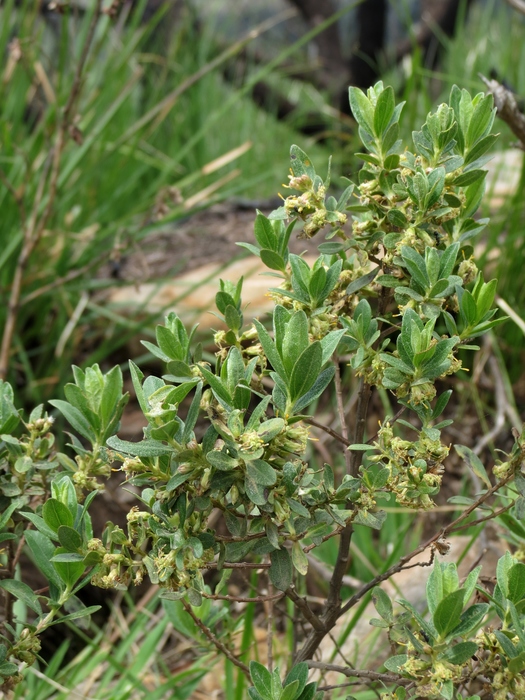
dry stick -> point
(244, 599)
(216, 642)
(360, 673)
(35, 227)
(390, 421)
(333, 602)
(507, 107)
(303, 606)
(341, 412)
(331, 616)
(269, 628)
(518, 5)
(400, 566)
(332, 433)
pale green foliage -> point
(390, 296)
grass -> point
(149, 131)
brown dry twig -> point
(216, 642)
(508, 108)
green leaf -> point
(516, 583)
(320, 384)
(8, 669)
(508, 647)
(84, 612)
(299, 559)
(272, 260)
(56, 514)
(394, 663)
(448, 613)
(192, 415)
(261, 472)
(362, 109)
(474, 463)
(264, 233)
(40, 524)
(220, 460)
(270, 429)
(281, 569)
(75, 418)
(295, 340)
(43, 550)
(69, 538)
(301, 163)
(218, 388)
(71, 569)
(459, 653)
(67, 557)
(361, 282)
(384, 111)
(270, 350)
(262, 679)
(145, 448)
(290, 692)
(306, 371)
(299, 673)
(8, 512)
(21, 590)
(383, 604)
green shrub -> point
(396, 293)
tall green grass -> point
(149, 118)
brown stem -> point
(360, 673)
(341, 412)
(216, 642)
(244, 599)
(400, 566)
(508, 108)
(303, 606)
(333, 602)
(391, 421)
(329, 431)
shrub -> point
(395, 293)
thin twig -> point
(493, 514)
(269, 627)
(390, 421)
(518, 5)
(401, 565)
(360, 673)
(216, 642)
(329, 431)
(507, 107)
(243, 599)
(341, 412)
(303, 606)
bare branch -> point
(507, 107)
(360, 673)
(518, 5)
(216, 642)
